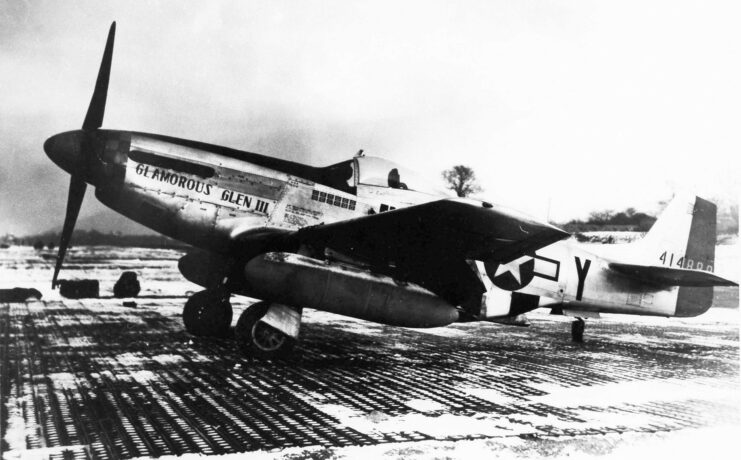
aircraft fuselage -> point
(206, 195)
(570, 276)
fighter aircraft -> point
(365, 238)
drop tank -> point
(301, 281)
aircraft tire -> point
(260, 340)
(207, 313)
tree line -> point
(629, 220)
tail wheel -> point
(259, 339)
(208, 313)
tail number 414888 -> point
(683, 262)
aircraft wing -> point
(465, 228)
(671, 276)
(430, 243)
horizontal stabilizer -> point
(672, 276)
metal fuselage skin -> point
(199, 195)
(571, 276)
(208, 196)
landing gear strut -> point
(257, 338)
(208, 313)
(577, 330)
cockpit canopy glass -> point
(383, 173)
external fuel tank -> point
(300, 281)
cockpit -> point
(377, 172)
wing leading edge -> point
(466, 229)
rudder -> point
(693, 301)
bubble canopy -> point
(384, 173)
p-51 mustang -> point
(364, 238)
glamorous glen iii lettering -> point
(244, 201)
(231, 198)
(175, 179)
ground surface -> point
(96, 379)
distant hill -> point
(107, 221)
(631, 220)
(625, 221)
(104, 228)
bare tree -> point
(462, 180)
(601, 217)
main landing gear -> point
(258, 331)
(264, 330)
(208, 313)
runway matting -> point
(97, 379)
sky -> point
(561, 108)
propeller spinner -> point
(74, 151)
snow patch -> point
(424, 405)
(15, 434)
(168, 359)
(634, 338)
(131, 359)
(63, 380)
(45, 452)
(143, 377)
(443, 332)
(695, 443)
(445, 425)
(635, 392)
(492, 395)
(79, 342)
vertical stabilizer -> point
(684, 236)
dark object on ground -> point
(126, 286)
(79, 289)
(577, 330)
(38, 245)
(4, 246)
(18, 294)
(130, 304)
(519, 320)
(580, 237)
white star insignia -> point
(513, 268)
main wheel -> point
(208, 313)
(259, 339)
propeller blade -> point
(77, 188)
(96, 109)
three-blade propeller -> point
(93, 121)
